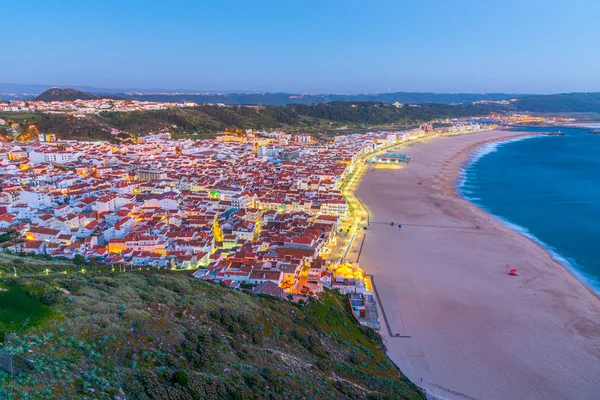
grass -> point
(166, 335)
(37, 265)
(20, 117)
(16, 306)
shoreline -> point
(518, 229)
(583, 125)
(441, 202)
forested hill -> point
(566, 102)
(320, 116)
(212, 118)
(68, 94)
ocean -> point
(546, 188)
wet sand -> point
(475, 332)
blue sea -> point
(546, 188)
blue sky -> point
(305, 46)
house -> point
(315, 271)
(66, 239)
(325, 279)
(8, 221)
(45, 234)
(290, 271)
(269, 288)
(62, 210)
(106, 204)
(185, 261)
(37, 200)
(260, 276)
(34, 247)
(168, 201)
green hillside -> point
(165, 335)
(209, 119)
(563, 103)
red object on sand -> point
(420, 182)
(513, 272)
(507, 265)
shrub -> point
(50, 298)
(182, 378)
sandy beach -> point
(471, 330)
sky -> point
(326, 46)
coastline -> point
(589, 124)
(521, 230)
(459, 279)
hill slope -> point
(68, 94)
(212, 118)
(163, 335)
(566, 102)
(321, 116)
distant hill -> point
(68, 94)
(565, 102)
(282, 99)
(28, 91)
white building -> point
(268, 151)
(334, 207)
(54, 157)
(35, 200)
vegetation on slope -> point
(62, 125)
(211, 119)
(164, 335)
(566, 102)
(17, 306)
(215, 118)
(68, 127)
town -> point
(84, 107)
(269, 212)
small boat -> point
(595, 131)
